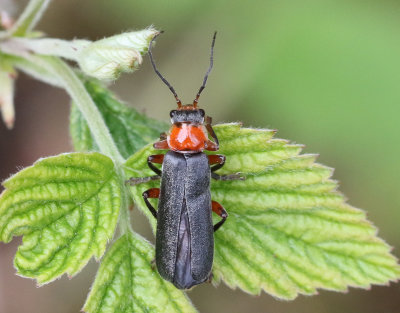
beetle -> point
(184, 235)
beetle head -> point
(187, 114)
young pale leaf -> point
(289, 231)
(66, 207)
(127, 282)
(107, 58)
(129, 129)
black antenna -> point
(196, 100)
(159, 74)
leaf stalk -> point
(29, 17)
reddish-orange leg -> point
(219, 161)
(161, 145)
(153, 193)
(211, 146)
(156, 158)
(220, 211)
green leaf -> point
(66, 207)
(289, 230)
(129, 129)
(127, 282)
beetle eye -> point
(202, 112)
(172, 113)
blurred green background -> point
(324, 73)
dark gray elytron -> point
(185, 240)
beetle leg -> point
(151, 193)
(140, 180)
(210, 278)
(211, 145)
(218, 160)
(236, 176)
(211, 130)
(163, 136)
(220, 211)
(153, 264)
(156, 158)
(161, 145)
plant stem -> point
(49, 46)
(29, 18)
(31, 65)
(124, 217)
(78, 93)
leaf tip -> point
(38, 284)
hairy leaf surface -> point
(66, 207)
(126, 282)
(129, 129)
(289, 230)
